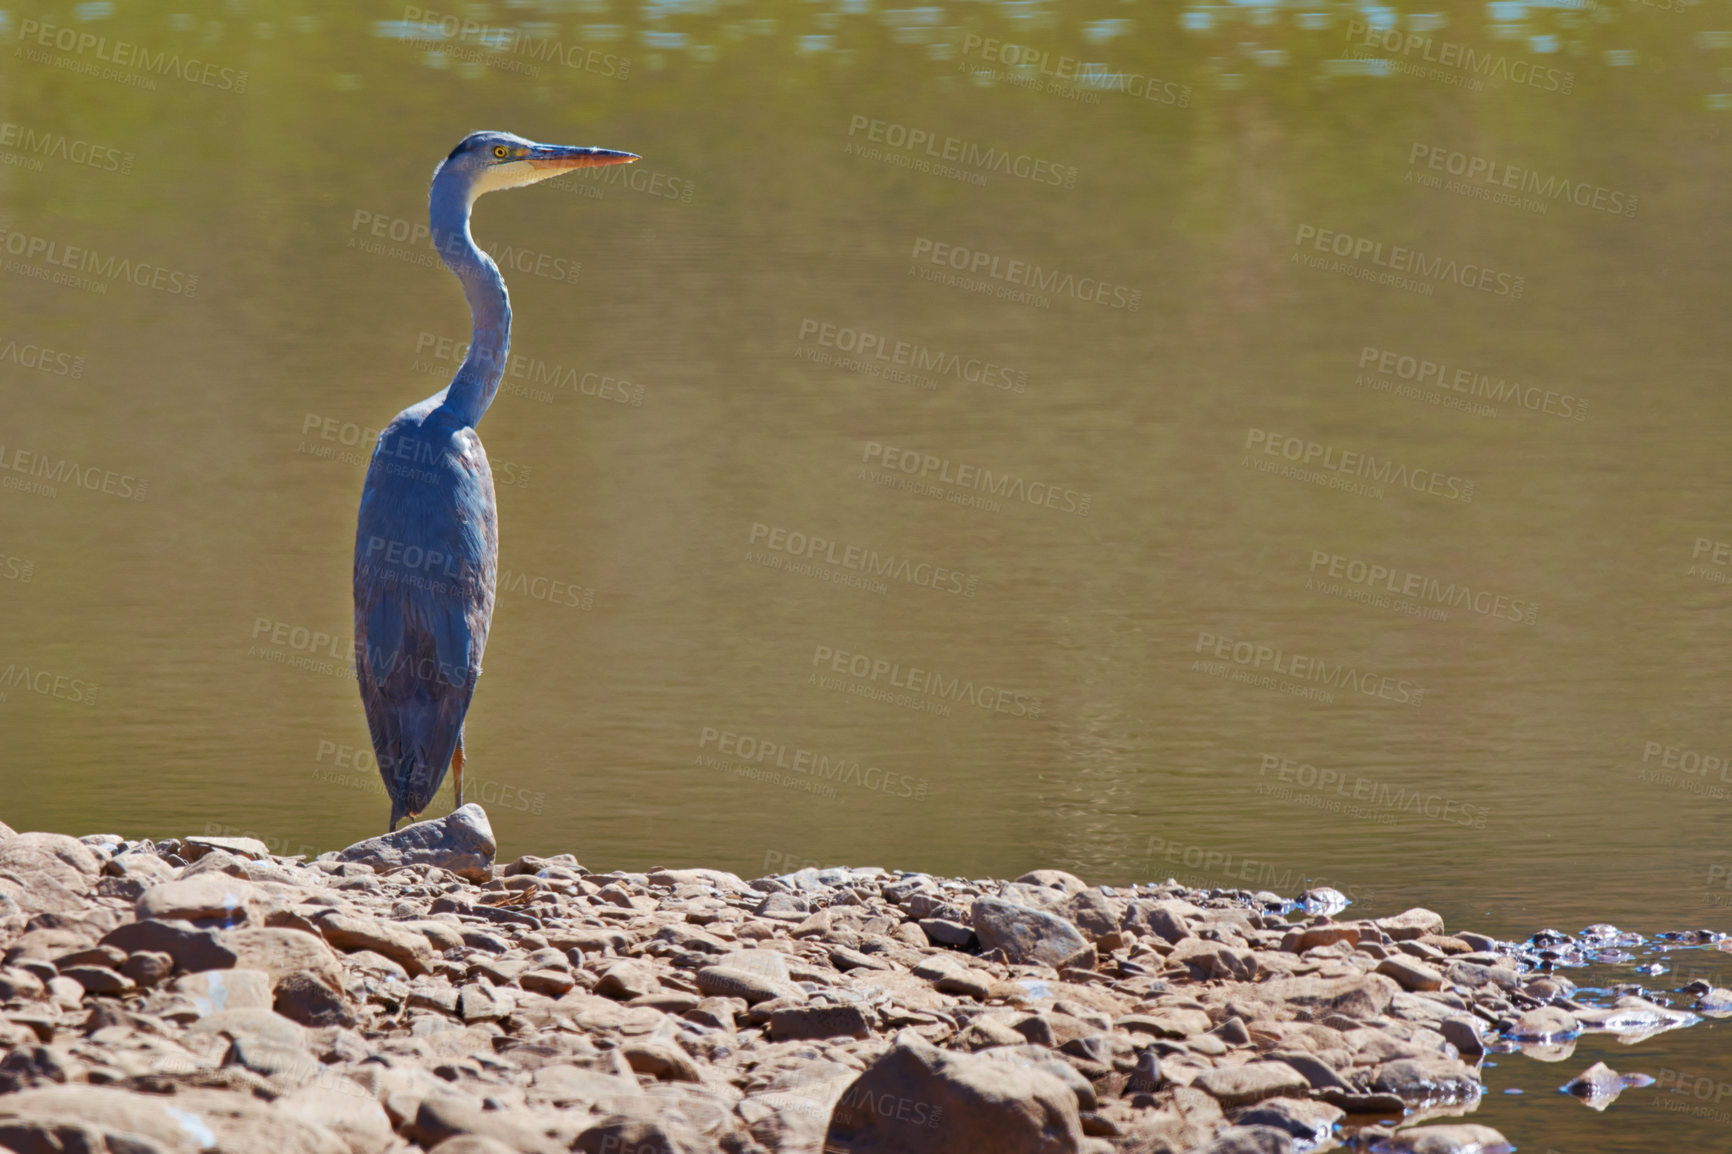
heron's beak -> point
(555, 158)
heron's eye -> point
(500, 151)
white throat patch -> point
(514, 174)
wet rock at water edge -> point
(1464, 1033)
(1452, 1139)
(1599, 1085)
(1412, 924)
(461, 842)
(1308, 1123)
(1545, 1024)
(197, 846)
(1411, 974)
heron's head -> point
(487, 161)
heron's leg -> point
(457, 770)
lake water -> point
(1267, 445)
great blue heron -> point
(427, 542)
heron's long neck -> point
(472, 389)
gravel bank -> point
(411, 993)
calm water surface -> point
(1263, 444)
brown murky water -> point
(1268, 445)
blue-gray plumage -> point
(427, 541)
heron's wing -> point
(459, 625)
(453, 642)
(381, 638)
(426, 551)
(426, 557)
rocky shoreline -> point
(411, 993)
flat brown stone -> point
(1252, 1082)
(797, 1022)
